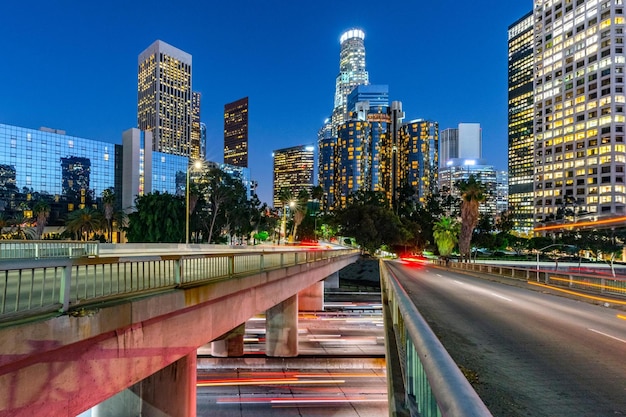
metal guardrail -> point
(40, 249)
(601, 283)
(35, 286)
(433, 384)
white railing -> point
(41, 249)
(35, 286)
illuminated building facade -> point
(352, 73)
(458, 169)
(579, 152)
(236, 133)
(197, 137)
(520, 123)
(326, 143)
(293, 170)
(164, 98)
(502, 192)
(419, 157)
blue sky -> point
(72, 65)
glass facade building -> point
(520, 123)
(69, 171)
(419, 157)
(352, 73)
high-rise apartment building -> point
(293, 170)
(520, 123)
(164, 98)
(579, 119)
(352, 72)
(236, 133)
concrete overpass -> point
(65, 359)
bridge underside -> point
(65, 365)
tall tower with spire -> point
(351, 72)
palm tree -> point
(473, 192)
(108, 202)
(299, 211)
(446, 232)
(41, 210)
(83, 222)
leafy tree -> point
(483, 236)
(505, 222)
(446, 232)
(81, 223)
(158, 218)
(41, 210)
(472, 194)
(368, 218)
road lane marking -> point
(608, 335)
(439, 275)
(500, 296)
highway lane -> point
(534, 354)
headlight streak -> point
(587, 284)
(621, 316)
(480, 290)
(277, 381)
(578, 294)
(291, 402)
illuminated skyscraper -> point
(236, 133)
(418, 162)
(579, 102)
(197, 147)
(521, 143)
(164, 98)
(293, 170)
(351, 72)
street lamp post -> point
(548, 247)
(197, 165)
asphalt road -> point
(528, 353)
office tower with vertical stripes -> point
(164, 97)
(520, 123)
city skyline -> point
(75, 67)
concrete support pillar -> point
(332, 281)
(312, 298)
(281, 338)
(170, 392)
(229, 345)
(124, 404)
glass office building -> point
(71, 171)
(520, 123)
